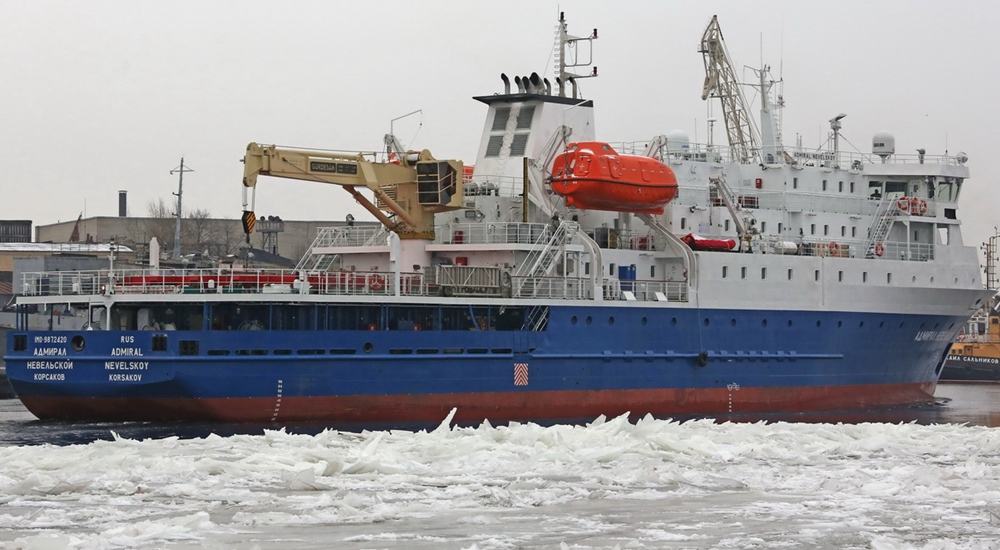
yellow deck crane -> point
(411, 191)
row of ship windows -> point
(840, 275)
(763, 322)
(367, 348)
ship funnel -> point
(506, 84)
(520, 84)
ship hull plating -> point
(587, 362)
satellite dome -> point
(883, 144)
(678, 142)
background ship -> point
(492, 297)
(975, 355)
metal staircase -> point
(543, 258)
(885, 213)
(313, 262)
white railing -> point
(491, 233)
(135, 283)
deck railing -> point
(70, 285)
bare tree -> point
(198, 230)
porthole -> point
(789, 322)
(611, 320)
(881, 324)
(644, 321)
(861, 324)
(819, 323)
(573, 320)
(368, 347)
(840, 324)
(732, 322)
(590, 319)
(706, 321)
(78, 343)
(901, 325)
(673, 321)
(763, 322)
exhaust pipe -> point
(506, 84)
(562, 87)
(548, 86)
(536, 83)
(520, 84)
(572, 83)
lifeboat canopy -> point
(591, 175)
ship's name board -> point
(126, 352)
(46, 352)
(126, 365)
(812, 156)
(932, 335)
(973, 359)
(55, 365)
(333, 167)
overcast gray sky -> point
(102, 95)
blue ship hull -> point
(589, 361)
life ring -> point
(921, 208)
(377, 283)
(879, 249)
(833, 247)
(903, 204)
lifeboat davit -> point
(593, 176)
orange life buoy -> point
(879, 249)
(834, 248)
(377, 283)
(921, 207)
(903, 204)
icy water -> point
(925, 477)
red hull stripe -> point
(474, 407)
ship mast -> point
(569, 55)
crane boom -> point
(413, 190)
(721, 82)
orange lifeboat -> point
(593, 176)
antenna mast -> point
(180, 191)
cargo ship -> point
(561, 278)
